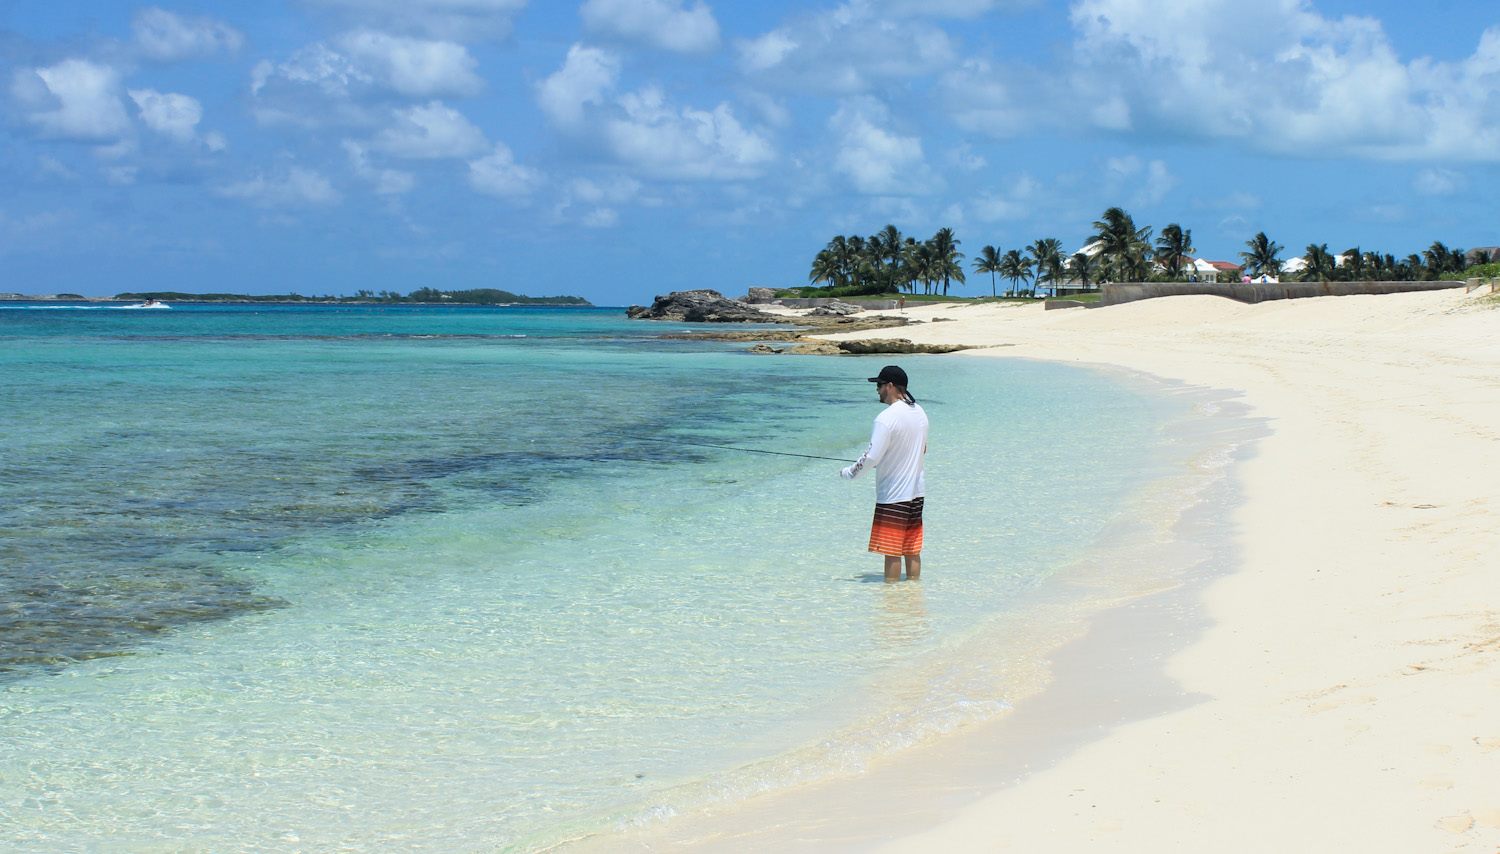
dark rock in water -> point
(836, 309)
(896, 345)
(701, 306)
(764, 349)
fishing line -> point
(746, 450)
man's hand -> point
(847, 473)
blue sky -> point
(618, 149)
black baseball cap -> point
(890, 374)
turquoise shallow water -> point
(448, 579)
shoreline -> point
(1167, 530)
(1334, 698)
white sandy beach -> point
(1338, 691)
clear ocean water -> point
(324, 577)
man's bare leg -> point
(892, 569)
(913, 567)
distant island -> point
(424, 296)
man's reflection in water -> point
(902, 619)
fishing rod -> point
(746, 450)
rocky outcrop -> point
(835, 309)
(815, 347)
(869, 346)
(761, 295)
(701, 306)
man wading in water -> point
(897, 452)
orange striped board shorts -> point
(897, 529)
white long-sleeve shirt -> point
(897, 452)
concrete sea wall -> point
(1114, 294)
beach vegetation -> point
(988, 261)
(1015, 267)
(1047, 257)
(1263, 255)
(1173, 246)
(1441, 260)
(1354, 263)
(1083, 268)
(1124, 249)
(921, 265)
(1476, 271)
(1320, 264)
(1118, 250)
(946, 257)
(851, 265)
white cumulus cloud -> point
(667, 24)
(848, 49)
(586, 75)
(599, 199)
(876, 159)
(601, 218)
(167, 37)
(339, 84)
(984, 98)
(430, 131)
(498, 174)
(74, 99)
(1278, 76)
(169, 113)
(947, 8)
(416, 67)
(296, 187)
(1437, 182)
(1016, 201)
(316, 86)
(667, 142)
(455, 20)
(386, 182)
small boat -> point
(150, 303)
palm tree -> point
(1440, 259)
(945, 246)
(867, 275)
(908, 268)
(1172, 247)
(825, 268)
(1123, 247)
(1049, 262)
(887, 245)
(988, 262)
(1353, 263)
(1413, 267)
(1262, 257)
(1015, 267)
(1320, 267)
(921, 263)
(843, 257)
(1083, 266)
